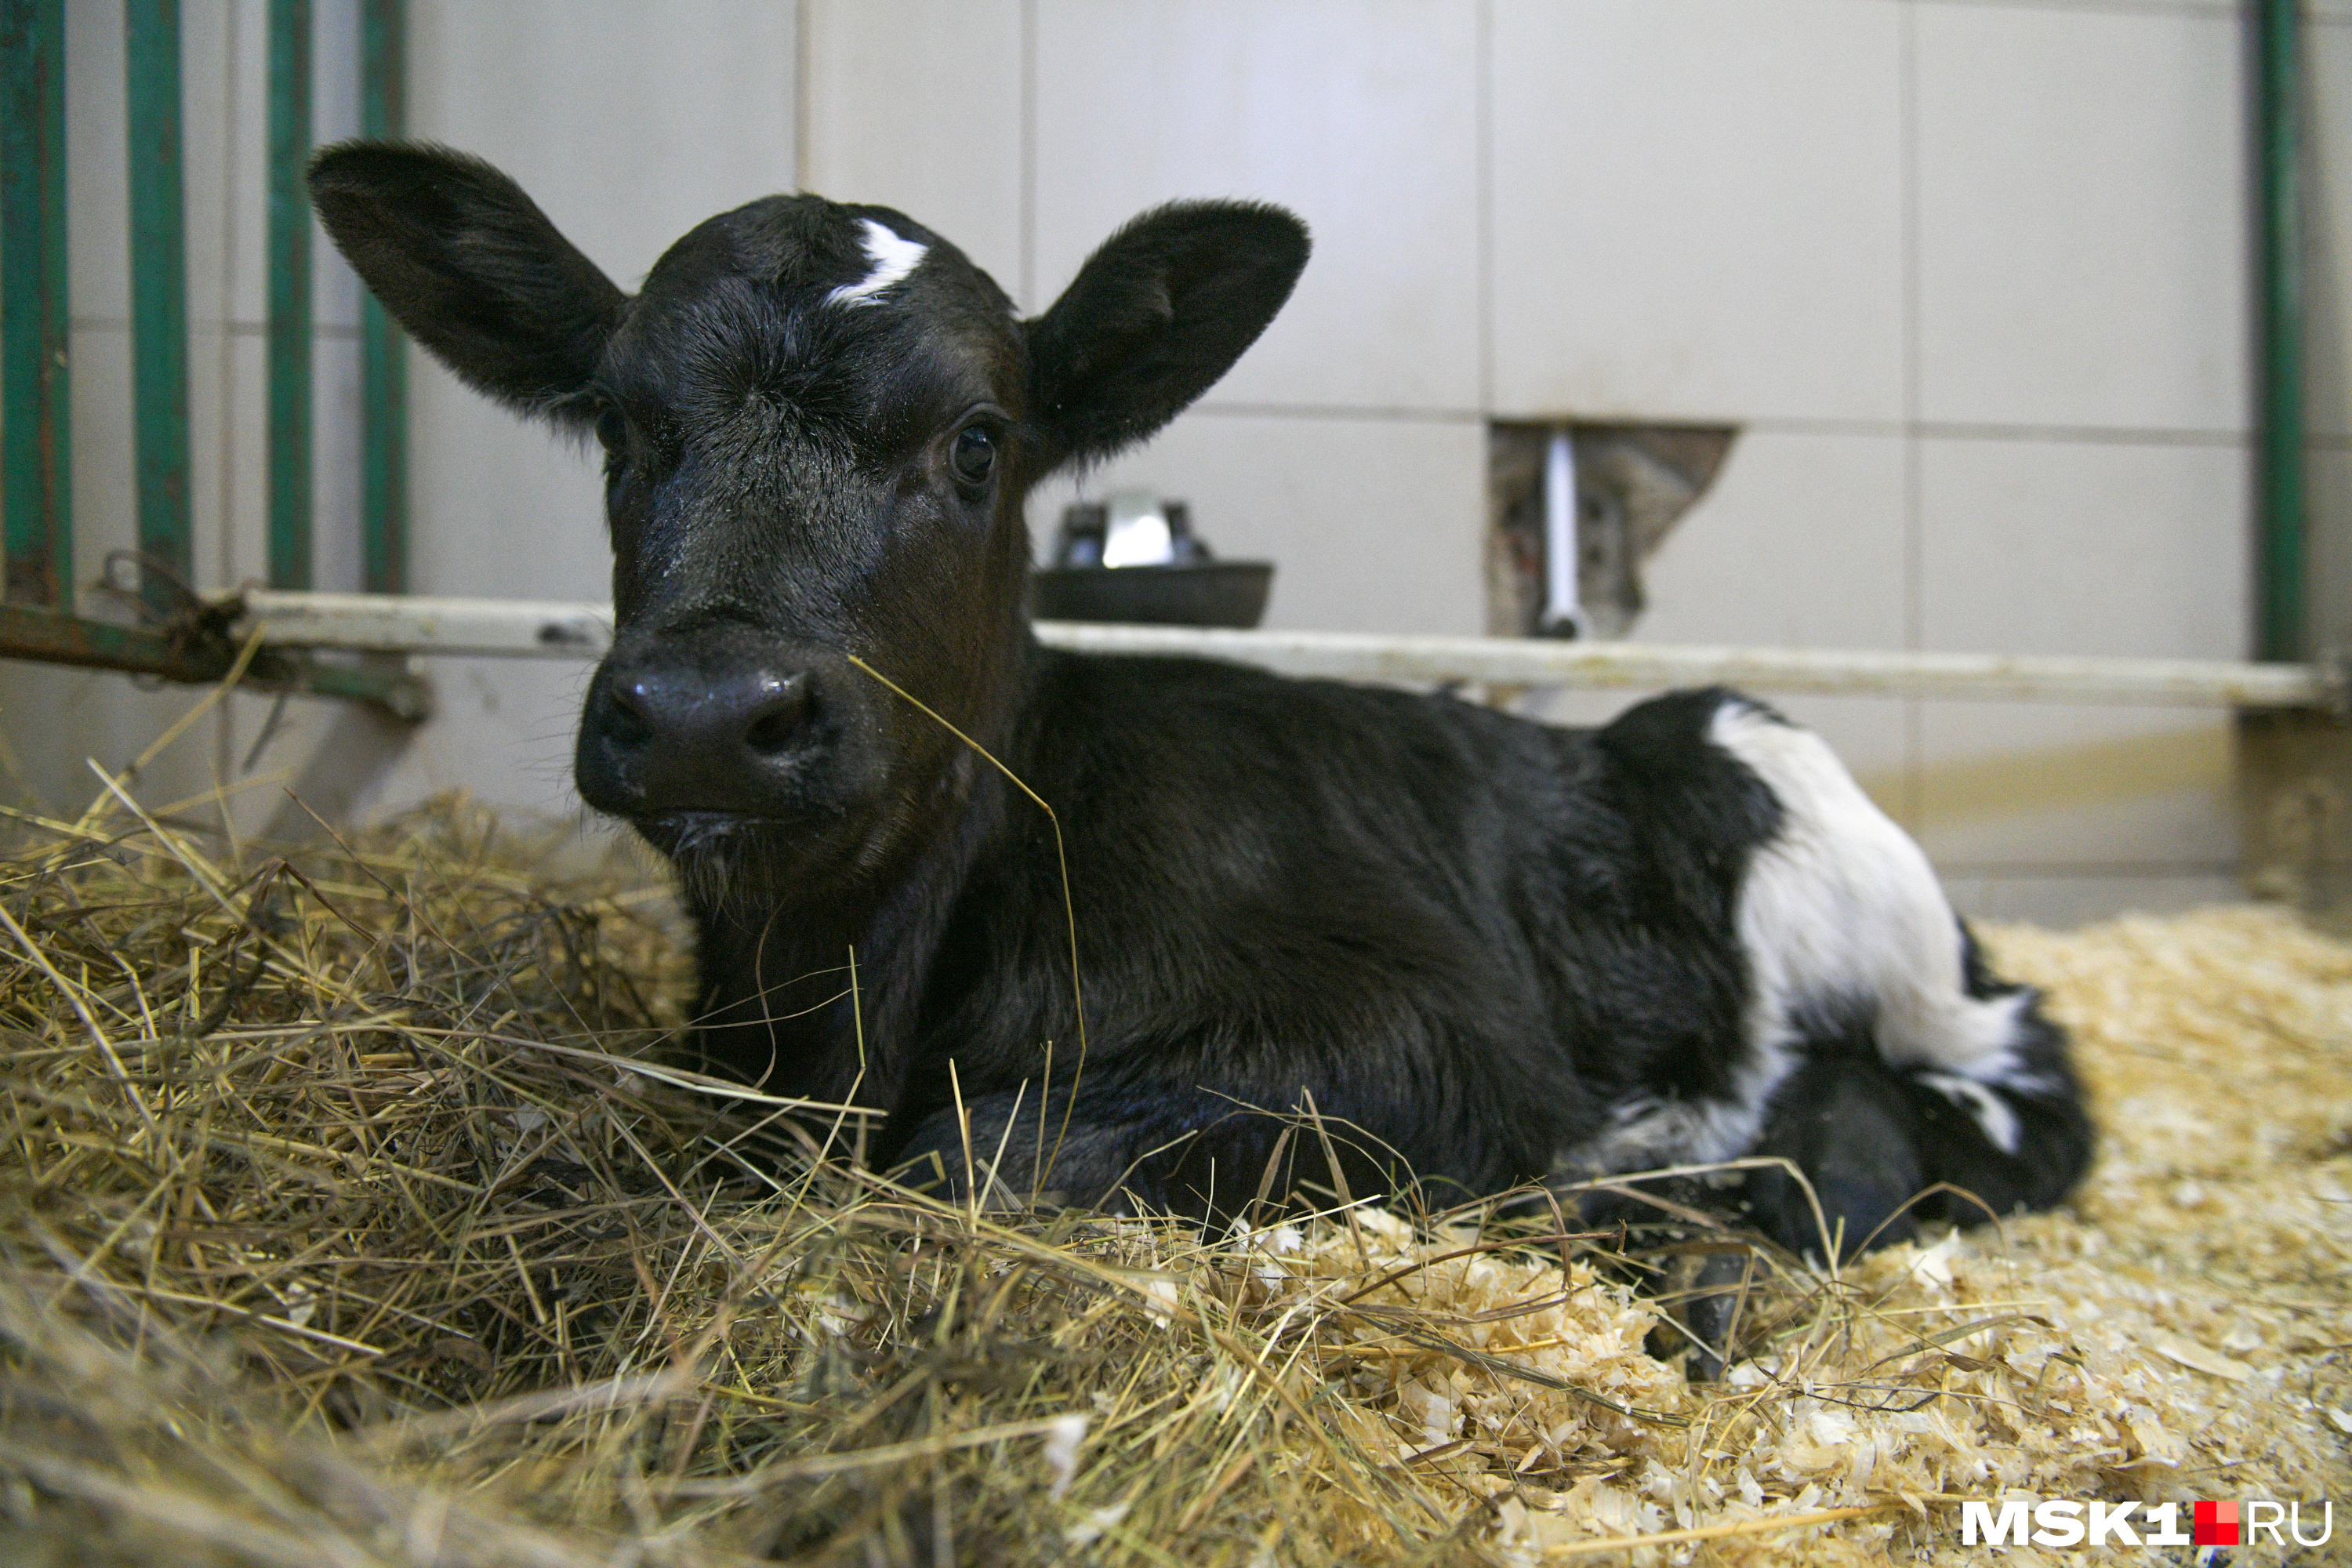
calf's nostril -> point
(777, 715)
(627, 722)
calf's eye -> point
(612, 431)
(974, 456)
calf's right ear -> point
(472, 268)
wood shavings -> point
(374, 1209)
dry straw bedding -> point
(348, 1216)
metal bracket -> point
(196, 648)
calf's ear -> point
(1154, 318)
(472, 268)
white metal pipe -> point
(528, 629)
(1563, 609)
(410, 623)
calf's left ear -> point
(1155, 316)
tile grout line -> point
(804, 107)
(2215, 9)
(1483, 162)
(1028, 153)
(1914, 544)
(1780, 425)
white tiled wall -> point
(1350, 111)
(2081, 187)
(1969, 274)
(1697, 209)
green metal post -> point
(289, 294)
(383, 356)
(2279, 485)
(36, 408)
(159, 294)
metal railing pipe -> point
(289, 294)
(36, 380)
(537, 629)
(2281, 559)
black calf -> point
(1481, 951)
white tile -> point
(1797, 543)
(2082, 207)
(2068, 547)
(230, 456)
(229, 434)
(2062, 901)
(2122, 7)
(212, 143)
(336, 459)
(916, 104)
(215, 427)
(2018, 785)
(1697, 208)
(105, 469)
(97, 186)
(629, 129)
(2327, 282)
(1373, 524)
(244, 182)
(1358, 116)
(502, 508)
(2054, 547)
(2330, 546)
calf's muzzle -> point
(716, 727)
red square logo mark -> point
(2216, 1524)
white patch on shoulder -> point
(1841, 906)
(893, 257)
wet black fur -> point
(1464, 940)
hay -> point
(348, 1216)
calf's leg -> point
(1123, 1149)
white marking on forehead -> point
(893, 254)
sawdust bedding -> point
(333, 1231)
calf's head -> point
(819, 422)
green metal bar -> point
(159, 297)
(35, 407)
(289, 294)
(52, 637)
(383, 354)
(2279, 482)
